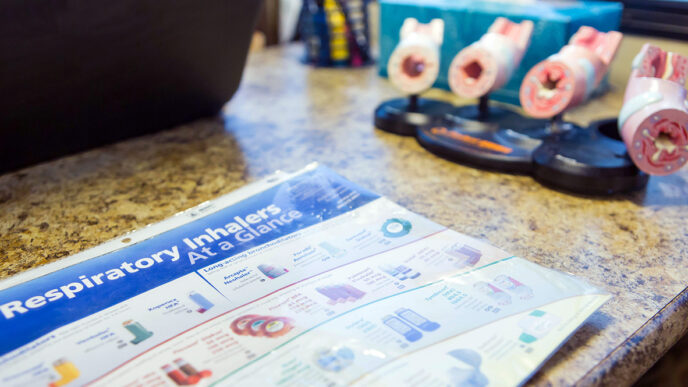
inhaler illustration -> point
(203, 303)
(178, 376)
(505, 282)
(465, 255)
(467, 372)
(493, 292)
(536, 325)
(399, 326)
(400, 272)
(340, 293)
(189, 370)
(272, 272)
(334, 359)
(332, 250)
(184, 374)
(417, 320)
(135, 328)
(489, 63)
(654, 119)
(67, 371)
(569, 77)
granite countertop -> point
(286, 115)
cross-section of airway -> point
(654, 118)
(568, 78)
(488, 64)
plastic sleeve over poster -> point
(299, 279)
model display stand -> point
(413, 68)
(650, 136)
(485, 135)
(558, 154)
(587, 161)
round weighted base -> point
(479, 145)
(492, 138)
(586, 162)
(608, 127)
(403, 116)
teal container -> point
(465, 21)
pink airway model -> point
(488, 64)
(568, 78)
(654, 116)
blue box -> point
(465, 21)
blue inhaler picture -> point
(464, 255)
(417, 320)
(402, 328)
(201, 301)
(334, 251)
(334, 359)
(400, 272)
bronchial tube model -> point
(654, 119)
(569, 77)
(413, 67)
(489, 63)
(415, 63)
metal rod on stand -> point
(555, 123)
(413, 102)
(483, 106)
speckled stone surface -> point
(286, 115)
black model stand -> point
(558, 154)
(487, 136)
(404, 116)
(591, 161)
(487, 113)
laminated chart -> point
(298, 279)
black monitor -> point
(80, 73)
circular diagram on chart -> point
(395, 228)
